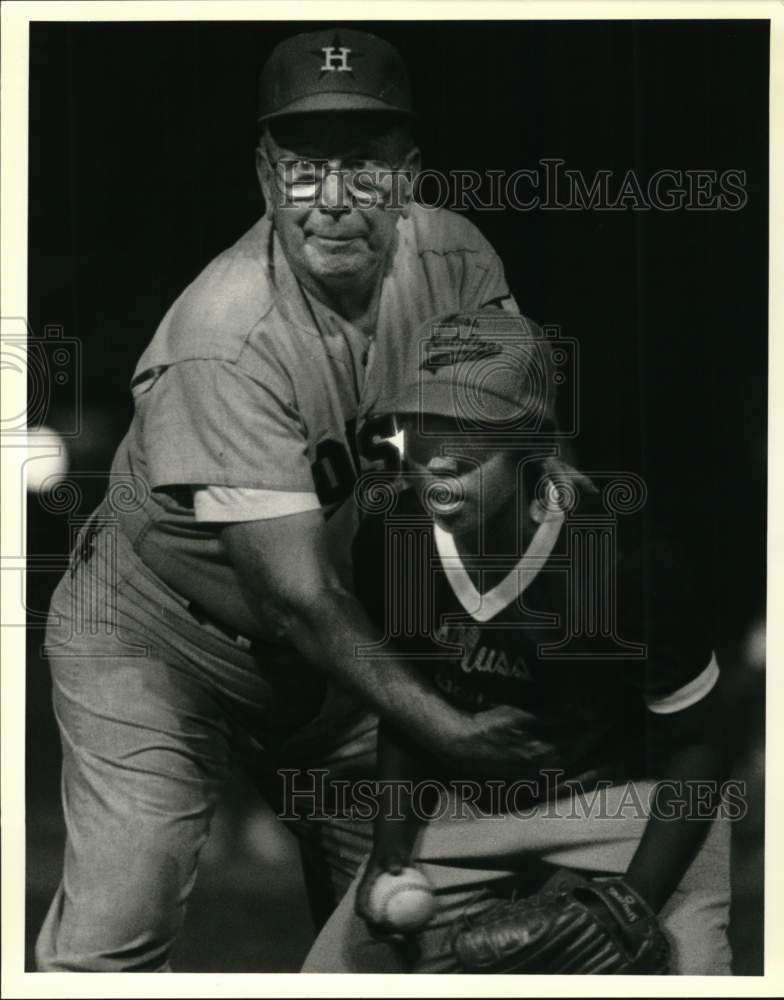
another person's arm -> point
(395, 824)
(287, 579)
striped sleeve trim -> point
(689, 694)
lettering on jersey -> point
(487, 660)
(335, 469)
(333, 472)
(483, 659)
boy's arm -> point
(693, 761)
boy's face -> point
(460, 481)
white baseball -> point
(404, 902)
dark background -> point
(141, 171)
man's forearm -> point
(287, 580)
(330, 629)
(395, 826)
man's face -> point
(460, 482)
(329, 234)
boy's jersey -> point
(582, 635)
(251, 383)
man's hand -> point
(503, 742)
(493, 743)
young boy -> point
(512, 587)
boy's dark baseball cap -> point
(488, 370)
(333, 70)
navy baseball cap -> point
(333, 70)
(487, 370)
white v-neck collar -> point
(483, 607)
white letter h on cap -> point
(335, 59)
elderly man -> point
(204, 609)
